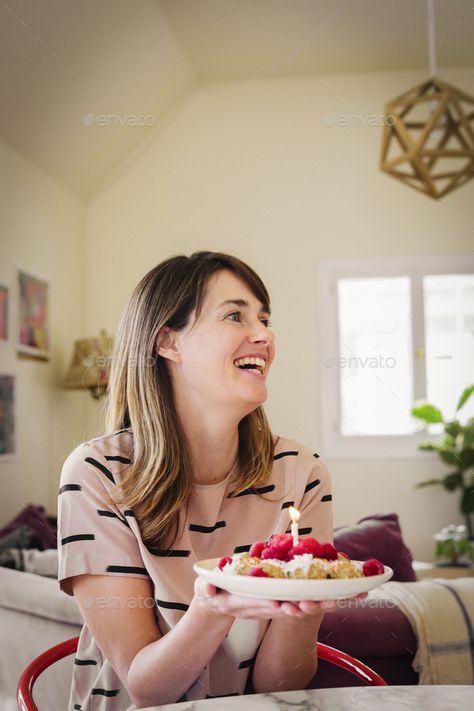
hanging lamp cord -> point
(431, 39)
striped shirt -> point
(96, 536)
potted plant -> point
(456, 448)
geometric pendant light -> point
(428, 137)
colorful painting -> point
(7, 421)
(3, 313)
(33, 316)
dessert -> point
(309, 559)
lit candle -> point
(295, 517)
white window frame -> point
(334, 444)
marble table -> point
(359, 698)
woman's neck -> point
(213, 449)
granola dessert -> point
(279, 558)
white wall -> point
(253, 168)
(41, 231)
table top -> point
(351, 698)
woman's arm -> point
(158, 669)
(287, 657)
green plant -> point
(456, 448)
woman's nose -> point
(262, 333)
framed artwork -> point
(7, 419)
(33, 323)
(4, 309)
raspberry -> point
(274, 551)
(372, 567)
(282, 540)
(223, 561)
(311, 545)
(257, 573)
(328, 551)
(256, 549)
(296, 550)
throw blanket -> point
(441, 613)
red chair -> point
(27, 681)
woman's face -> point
(232, 325)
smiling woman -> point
(188, 469)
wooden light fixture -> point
(90, 365)
(428, 137)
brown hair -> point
(158, 482)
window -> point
(394, 332)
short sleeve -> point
(94, 535)
(316, 502)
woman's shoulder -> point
(100, 453)
(286, 447)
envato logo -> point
(105, 361)
(119, 603)
(130, 120)
(373, 603)
(347, 120)
(379, 361)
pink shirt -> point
(95, 536)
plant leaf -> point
(453, 428)
(467, 501)
(427, 413)
(428, 482)
(466, 394)
(452, 481)
(428, 447)
(449, 457)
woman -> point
(189, 470)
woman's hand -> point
(220, 602)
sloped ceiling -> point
(83, 83)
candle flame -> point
(295, 514)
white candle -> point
(295, 517)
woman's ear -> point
(167, 345)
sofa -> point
(35, 615)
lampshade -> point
(90, 365)
(428, 140)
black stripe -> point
(467, 619)
(78, 537)
(242, 549)
(168, 553)
(327, 497)
(206, 529)
(258, 490)
(70, 487)
(100, 467)
(246, 663)
(106, 692)
(129, 512)
(85, 662)
(111, 514)
(302, 531)
(285, 454)
(172, 605)
(311, 485)
(118, 458)
(221, 696)
(126, 569)
(287, 504)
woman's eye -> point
(234, 313)
(267, 322)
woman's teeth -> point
(248, 363)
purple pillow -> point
(378, 536)
(36, 519)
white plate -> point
(289, 588)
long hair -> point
(158, 482)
